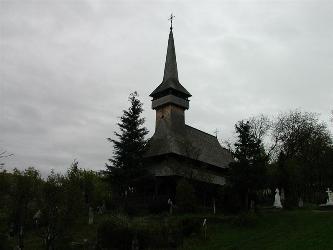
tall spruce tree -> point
(247, 173)
(125, 168)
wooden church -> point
(177, 150)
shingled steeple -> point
(170, 68)
(170, 86)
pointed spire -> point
(170, 69)
(170, 77)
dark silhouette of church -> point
(177, 150)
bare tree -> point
(262, 129)
(260, 126)
(3, 155)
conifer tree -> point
(247, 173)
(125, 168)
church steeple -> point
(170, 90)
(170, 68)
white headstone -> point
(252, 204)
(204, 226)
(277, 199)
(330, 197)
(300, 202)
(170, 205)
(36, 217)
(91, 216)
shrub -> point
(119, 232)
(115, 233)
(4, 242)
(151, 234)
(191, 226)
(157, 234)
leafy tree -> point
(296, 131)
(4, 184)
(60, 201)
(53, 209)
(304, 147)
(66, 200)
(24, 199)
(125, 168)
(247, 173)
(74, 200)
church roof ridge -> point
(200, 130)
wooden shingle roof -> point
(190, 143)
(170, 77)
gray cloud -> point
(67, 68)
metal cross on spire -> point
(171, 20)
(216, 132)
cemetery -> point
(269, 187)
(299, 228)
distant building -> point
(178, 150)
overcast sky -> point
(67, 68)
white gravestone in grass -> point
(277, 200)
(204, 226)
(170, 203)
(329, 201)
(330, 198)
(91, 216)
(36, 217)
(300, 202)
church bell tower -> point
(170, 98)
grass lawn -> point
(271, 230)
(298, 229)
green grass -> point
(271, 230)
